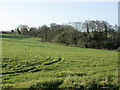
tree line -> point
(89, 34)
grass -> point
(29, 63)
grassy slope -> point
(29, 63)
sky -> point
(37, 14)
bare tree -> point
(23, 29)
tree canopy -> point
(89, 34)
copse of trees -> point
(89, 34)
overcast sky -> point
(39, 13)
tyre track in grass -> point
(33, 67)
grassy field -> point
(29, 63)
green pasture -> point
(29, 63)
